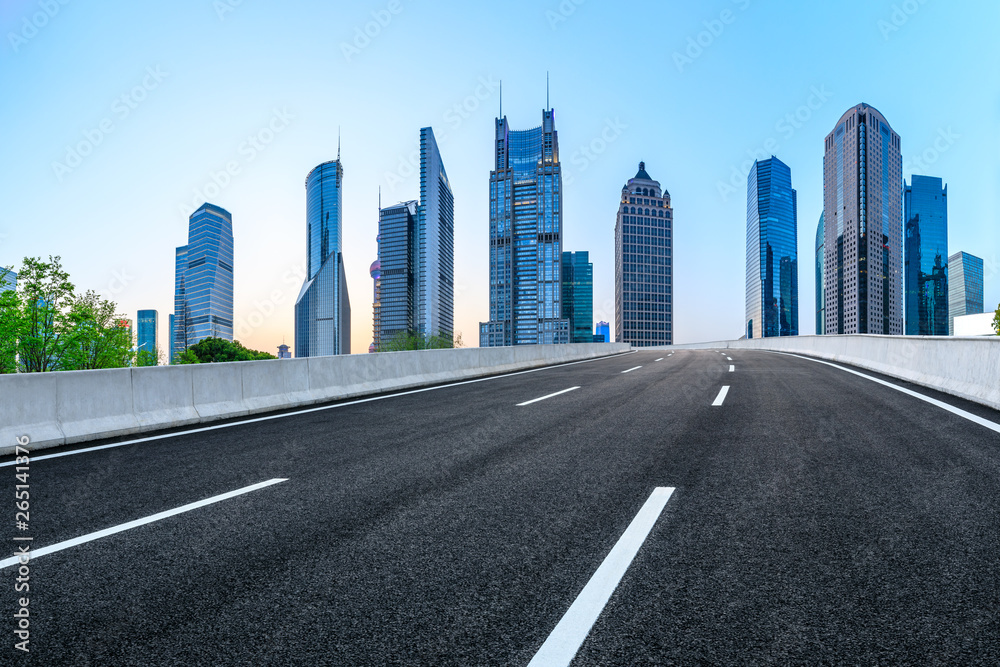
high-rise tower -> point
(925, 256)
(863, 216)
(525, 238)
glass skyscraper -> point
(203, 285)
(965, 287)
(644, 264)
(525, 238)
(820, 278)
(925, 256)
(9, 282)
(863, 216)
(147, 321)
(772, 293)
(323, 307)
(578, 295)
(435, 238)
(397, 255)
(602, 331)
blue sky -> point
(168, 97)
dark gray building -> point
(397, 282)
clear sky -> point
(696, 90)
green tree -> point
(96, 337)
(996, 320)
(45, 293)
(216, 350)
(152, 357)
(410, 340)
(11, 320)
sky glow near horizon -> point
(234, 103)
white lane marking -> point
(564, 391)
(295, 413)
(729, 358)
(721, 397)
(732, 369)
(90, 537)
(562, 644)
(993, 426)
(660, 359)
(632, 369)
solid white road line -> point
(562, 644)
(660, 359)
(732, 368)
(993, 426)
(564, 391)
(83, 539)
(294, 413)
(632, 369)
(721, 397)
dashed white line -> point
(632, 369)
(732, 369)
(558, 393)
(721, 397)
(660, 359)
(90, 537)
(562, 644)
(729, 358)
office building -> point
(925, 256)
(820, 278)
(578, 295)
(203, 285)
(525, 238)
(644, 263)
(284, 352)
(146, 339)
(863, 214)
(435, 238)
(397, 250)
(965, 287)
(602, 331)
(323, 307)
(9, 281)
(772, 284)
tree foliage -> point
(215, 350)
(996, 321)
(45, 294)
(411, 340)
(96, 336)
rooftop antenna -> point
(547, 107)
(338, 143)
(501, 99)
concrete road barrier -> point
(55, 409)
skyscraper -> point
(925, 257)
(397, 254)
(863, 214)
(323, 307)
(146, 339)
(603, 331)
(644, 263)
(578, 295)
(203, 285)
(772, 291)
(965, 287)
(375, 271)
(820, 278)
(525, 238)
(435, 238)
(170, 339)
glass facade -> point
(820, 277)
(772, 289)
(602, 331)
(863, 214)
(435, 239)
(578, 295)
(397, 254)
(965, 287)
(644, 263)
(925, 256)
(323, 308)
(203, 283)
(525, 238)
(146, 340)
(9, 282)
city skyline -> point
(703, 141)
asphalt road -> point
(817, 517)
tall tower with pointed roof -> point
(644, 310)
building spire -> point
(547, 107)
(501, 99)
(338, 143)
